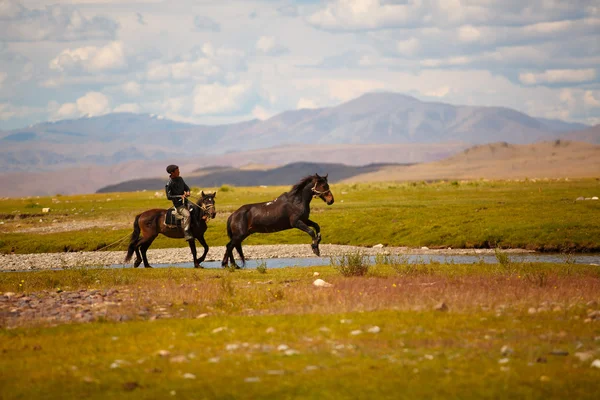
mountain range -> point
(86, 154)
(374, 118)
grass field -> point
(390, 329)
(537, 215)
(510, 330)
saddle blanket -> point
(173, 219)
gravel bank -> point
(21, 262)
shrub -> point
(262, 267)
(353, 264)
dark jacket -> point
(175, 189)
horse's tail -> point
(229, 231)
(134, 238)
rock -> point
(356, 332)
(441, 307)
(506, 350)
(321, 283)
(595, 198)
(188, 375)
(580, 198)
(203, 315)
(270, 330)
(178, 359)
(584, 356)
(316, 274)
(378, 246)
(252, 379)
(374, 329)
(503, 360)
(164, 353)
(596, 364)
(424, 248)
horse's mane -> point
(298, 187)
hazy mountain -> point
(375, 118)
(555, 159)
(589, 135)
(285, 175)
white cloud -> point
(590, 100)
(366, 14)
(469, 33)
(54, 22)
(218, 99)
(558, 76)
(261, 113)
(439, 92)
(91, 104)
(128, 107)
(267, 45)
(408, 47)
(306, 103)
(91, 58)
(132, 89)
(207, 64)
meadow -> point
(386, 328)
(538, 215)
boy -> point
(178, 191)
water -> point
(419, 258)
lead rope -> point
(109, 245)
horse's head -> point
(321, 189)
(206, 203)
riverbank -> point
(42, 261)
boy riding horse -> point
(177, 192)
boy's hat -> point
(171, 168)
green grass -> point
(236, 351)
(539, 215)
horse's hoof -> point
(147, 266)
(137, 263)
(316, 250)
(198, 266)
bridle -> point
(318, 193)
(205, 208)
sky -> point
(224, 61)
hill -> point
(556, 159)
(285, 175)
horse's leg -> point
(315, 243)
(316, 227)
(192, 244)
(205, 245)
(238, 247)
(229, 255)
(138, 256)
(144, 247)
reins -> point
(109, 245)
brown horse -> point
(152, 222)
(289, 210)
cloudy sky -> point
(220, 61)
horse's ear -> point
(215, 194)
(202, 193)
(326, 175)
(317, 175)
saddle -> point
(173, 219)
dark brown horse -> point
(152, 222)
(290, 210)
